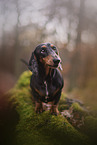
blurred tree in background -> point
(69, 24)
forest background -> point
(69, 24)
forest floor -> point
(20, 125)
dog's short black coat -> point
(46, 81)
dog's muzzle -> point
(56, 62)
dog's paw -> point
(39, 107)
(39, 111)
(55, 113)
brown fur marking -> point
(52, 45)
(43, 46)
(48, 60)
(38, 91)
(56, 91)
(54, 109)
(38, 107)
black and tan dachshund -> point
(46, 81)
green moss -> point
(90, 128)
(40, 129)
(63, 96)
(62, 102)
(63, 107)
(24, 80)
(91, 125)
(77, 108)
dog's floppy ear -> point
(33, 65)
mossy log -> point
(40, 129)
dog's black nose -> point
(56, 61)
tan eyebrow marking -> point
(52, 45)
(43, 46)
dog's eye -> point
(54, 48)
(42, 51)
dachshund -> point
(46, 81)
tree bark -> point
(17, 45)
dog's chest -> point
(46, 88)
(49, 88)
(47, 91)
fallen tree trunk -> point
(41, 129)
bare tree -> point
(4, 17)
(17, 45)
(80, 21)
(76, 64)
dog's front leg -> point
(38, 107)
(54, 107)
(54, 110)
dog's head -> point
(46, 54)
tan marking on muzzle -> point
(48, 60)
